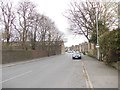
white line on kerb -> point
(87, 78)
(16, 76)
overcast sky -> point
(55, 9)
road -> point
(51, 72)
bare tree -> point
(54, 38)
(30, 27)
(34, 29)
(44, 27)
(109, 14)
(25, 12)
(46, 32)
(7, 20)
(82, 16)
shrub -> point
(110, 46)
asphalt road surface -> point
(58, 71)
(50, 72)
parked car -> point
(69, 51)
(76, 55)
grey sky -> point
(55, 9)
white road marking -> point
(87, 78)
(16, 76)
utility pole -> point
(97, 46)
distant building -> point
(84, 47)
(74, 48)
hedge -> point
(110, 46)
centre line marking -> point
(16, 76)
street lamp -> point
(97, 45)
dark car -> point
(76, 55)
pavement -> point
(59, 72)
(101, 75)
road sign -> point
(97, 46)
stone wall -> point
(9, 56)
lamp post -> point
(97, 45)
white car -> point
(69, 51)
(76, 55)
